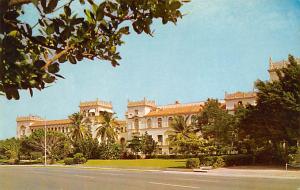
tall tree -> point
(11, 148)
(148, 145)
(180, 130)
(275, 119)
(108, 127)
(79, 127)
(57, 146)
(135, 145)
(179, 125)
(216, 124)
(31, 53)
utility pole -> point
(45, 130)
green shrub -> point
(219, 162)
(237, 160)
(207, 160)
(79, 158)
(69, 161)
(228, 160)
(111, 151)
(35, 155)
(192, 163)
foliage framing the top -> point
(30, 56)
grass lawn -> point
(140, 163)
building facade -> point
(274, 66)
(141, 117)
(91, 109)
(144, 116)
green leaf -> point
(72, 59)
(62, 59)
(124, 30)
(76, 21)
(49, 79)
(99, 13)
(67, 11)
(50, 29)
(175, 5)
(13, 33)
(52, 5)
(113, 49)
(53, 68)
(39, 63)
(40, 39)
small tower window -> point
(136, 124)
(170, 120)
(159, 122)
(149, 123)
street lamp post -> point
(45, 129)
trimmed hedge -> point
(192, 163)
(69, 161)
(172, 156)
(79, 158)
(226, 160)
(238, 160)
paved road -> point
(40, 178)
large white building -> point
(144, 115)
(141, 116)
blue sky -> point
(218, 46)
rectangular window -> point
(160, 138)
(159, 122)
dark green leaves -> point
(175, 5)
(49, 79)
(53, 68)
(52, 5)
(124, 30)
(99, 13)
(72, 59)
(95, 34)
(41, 39)
(39, 63)
(67, 11)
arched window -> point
(22, 130)
(149, 123)
(159, 122)
(136, 124)
(170, 120)
(122, 141)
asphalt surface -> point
(40, 178)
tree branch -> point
(18, 2)
(57, 56)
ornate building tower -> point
(93, 108)
(24, 123)
(136, 110)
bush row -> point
(226, 160)
(173, 156)
(219, 161)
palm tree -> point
(79, 128)
(108, 126)
(180, 125)
(180, 129)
